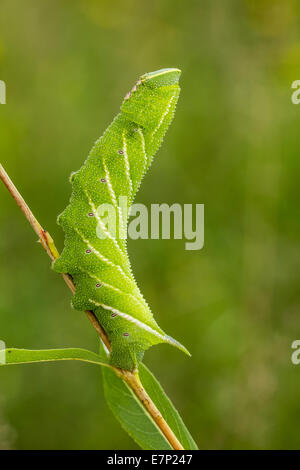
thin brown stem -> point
(131, 378)
(134, 382)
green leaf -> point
(166, 407)
(135, 419)
(24, 356)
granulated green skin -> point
(115, 167)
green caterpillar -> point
(100, 267)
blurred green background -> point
(234, 146)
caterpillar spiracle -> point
(100, 266)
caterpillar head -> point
(140, 104)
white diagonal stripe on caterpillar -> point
(102, 225)
(116, 289)
(114, 200)
(164, 114)
(110, 188)
(101, 257)
(127, 166)
(144, 148)
(132, 320)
